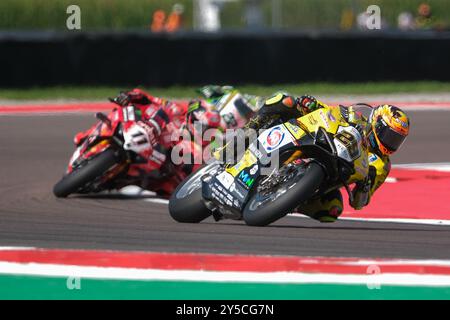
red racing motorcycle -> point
(102, 160)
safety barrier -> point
(141, 58)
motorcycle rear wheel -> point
(77, 179)
(186, 203)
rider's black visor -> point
(390, 139)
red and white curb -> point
(222, 268)
(399, 200)
(416, 193)
(55, 108)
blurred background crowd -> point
(216, 15)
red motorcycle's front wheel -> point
(88, 172)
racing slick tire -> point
(299, 190)
(186, 203)
(78, 178)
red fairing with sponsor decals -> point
(104, 159)
(95, 140)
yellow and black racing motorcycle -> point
(313, 154)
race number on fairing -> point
(348, 143)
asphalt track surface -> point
(34, 151)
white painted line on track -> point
(135, 191)
(53, 270)
(439, 166)
(157, 200)
(400, 262)
(391, 180)
(390, 220)
(17, 248)
(434, 222)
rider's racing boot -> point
(326, 208)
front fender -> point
(86, 151)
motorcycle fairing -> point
(97, 141)
(299, 136)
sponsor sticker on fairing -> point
(275, 138)
(330, 116)
(237, 191)
(258, 154)
(158, 157)
(246, 179)
(373, 158)
(226, 179)
(324, 119)
(130, 115)
(296, 131)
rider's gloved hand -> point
(122, 99)
(307, 103)
(360, 194)
(134, 96)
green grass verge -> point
(35, 287)
(101, 93)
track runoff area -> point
(415, 193)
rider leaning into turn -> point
(163, 119)
(159, 120)
(384, 130)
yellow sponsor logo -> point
(296, 131)
(313, 121)
(247, 161)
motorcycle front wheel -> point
(265, 207)
(88, 172)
